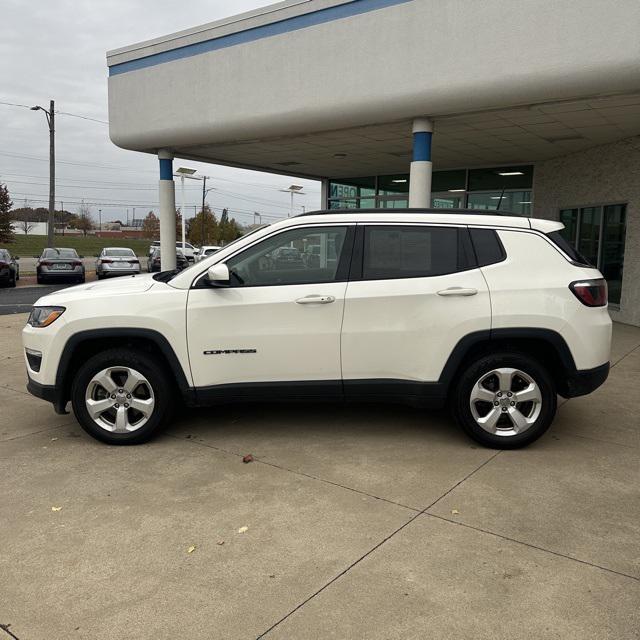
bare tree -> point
(84, 222)
(24, 220)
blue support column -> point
(421, 167)
(167, 212)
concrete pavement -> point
(363, 522)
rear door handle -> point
(315, 300)
(457, 291)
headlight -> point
(44, 316)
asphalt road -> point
(21, 299)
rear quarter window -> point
(487, 245)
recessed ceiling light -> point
(455, 190)
(510, 173)
(399, 180)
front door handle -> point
(315, 300)
(457, 291)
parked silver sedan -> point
(117, 261)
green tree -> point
(151, 226)
(207, 219)
(6, 230)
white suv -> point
(495, 314)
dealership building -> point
(531, 107)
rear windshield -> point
(60, 253)
(118, 252)
(560, 241)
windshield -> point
(4, 255)
(60, 253)
(119, 252)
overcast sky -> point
(55, 49)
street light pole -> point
(294, 190)
(204, 195)
(50, 115)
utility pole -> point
(100, 220)
(204, 195)
(50, 115)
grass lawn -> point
(27, 246)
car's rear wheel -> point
(40, 279)
(505, 400)
(12, 279)
(122, 396)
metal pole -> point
(99, 219)
(52, 174)
(204, 195)
(182, 209)
(291, 209)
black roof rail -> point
(475, 212)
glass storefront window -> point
(518, 202)
(612, 260)
(589, 233)
(499, 178)
(446, 180)
(598, 233)
(569, 218)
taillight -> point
(592, 293)
(134, 261)
(106, 261)
(77, 263)
(3, 264)
(46, 263)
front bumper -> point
(49, 393)
(584, 381)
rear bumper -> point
(584, 381)
(49, 393)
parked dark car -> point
(56, 265)
(154, 261)
(9, 269)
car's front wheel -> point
(505, 400)
(122, 396)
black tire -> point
(12, 280)
(40, 279)
(81, 280)
(474, 371)
(157, 376)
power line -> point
(62, 113)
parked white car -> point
(494, 314)
(117, 261)
(205, 251)
(189, 250)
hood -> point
(115, 286)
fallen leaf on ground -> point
(243, 529)
(53, 439)
(56, 508)
(247, 458)
(220, 542)
(454, 512)
(191, 549)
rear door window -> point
(414, 251)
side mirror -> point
(16, 257)
(80, 256)
(218, 275)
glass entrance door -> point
(598, 233)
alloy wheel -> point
(505, 401)
(119, 399)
